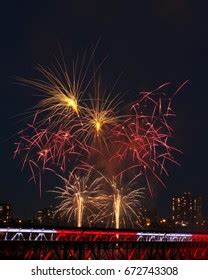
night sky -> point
(149, 43)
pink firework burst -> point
(143, 139)
(43, 149)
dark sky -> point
(150, 42)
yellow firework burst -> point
(100, 115)
(79, 198)
(61, 95)
(123, 202)
(98, 120)
(60, 90)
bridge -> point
(17, 243)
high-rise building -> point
(150, 218)
(5, 213)
(44, 216)
(187, 210)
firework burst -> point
(99, 117)
(122, 203)
(78, 198)
(60, 96)
(143, 139)
(61, 90)
(42, 149)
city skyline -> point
(194, 217)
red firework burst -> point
(143, 139)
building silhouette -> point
(5, 213)
(150, 218)
(44, 216)
(187, 211)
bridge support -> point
(114, 250)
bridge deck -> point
(18, 234)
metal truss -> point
(100, 244)
(17, 234)
(103, 250)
